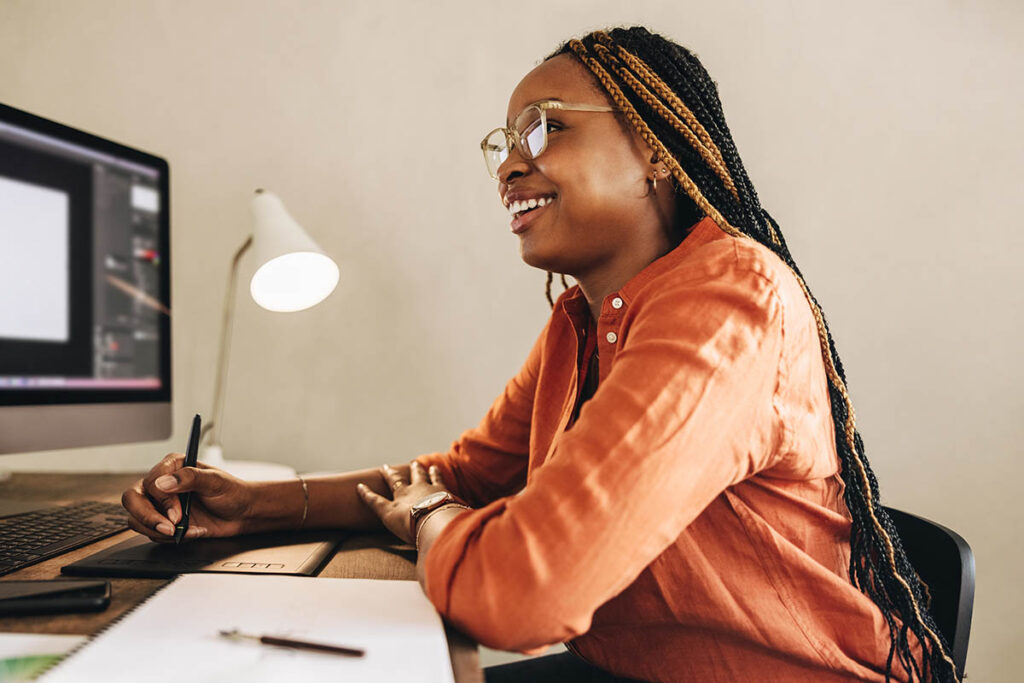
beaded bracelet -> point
(305, 499)
(424, 518)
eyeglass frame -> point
(514, 137)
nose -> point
(514, 166)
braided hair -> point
(668, 98)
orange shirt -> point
(689, 525)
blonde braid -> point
(641, 127)
(710, 153)
(638, 65)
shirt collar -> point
(702, 232)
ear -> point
(659, 172)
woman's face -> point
(594, 172)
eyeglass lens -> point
(532, 139)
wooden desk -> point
(365, 556)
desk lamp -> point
(292, 274)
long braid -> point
(547, 286)
(669, 99)
(650, 138)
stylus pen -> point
(235, 634)
(191, 455)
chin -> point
(538, 258)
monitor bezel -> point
(34, 397)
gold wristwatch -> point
(429, 503)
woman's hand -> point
(394, 513)
(220, 502)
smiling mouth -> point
(520, 208)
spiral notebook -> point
(174, 635)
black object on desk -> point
(53, 597)
(278, 552)
(191, 457)
(32, 537)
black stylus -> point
(191, 456)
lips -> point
(523, 206)
(523, 219)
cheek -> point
(598, 177)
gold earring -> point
(654, 179)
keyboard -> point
(41, 534)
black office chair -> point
(945, 563)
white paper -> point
(174, 637)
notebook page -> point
(173, 636)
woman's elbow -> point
(516, 623)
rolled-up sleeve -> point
(685, 411)
(491, 460)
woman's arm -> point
(490, 461)
(686, 411)
(223, 505)
(427, 532)
(333, 502)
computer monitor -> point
(85, 327)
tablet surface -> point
(285, 552)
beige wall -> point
(883, 136)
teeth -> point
(519, 206)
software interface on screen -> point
(80, 254)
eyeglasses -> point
(529, 133)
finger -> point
(392, 477)
(165, 501)
(195, 532)
(435, 476)
(151, 533)
(374, 501)
(140, 508)
(417, 473)
(206, 482)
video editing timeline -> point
(63, 324)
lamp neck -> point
(212, 428)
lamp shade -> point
(292, 271)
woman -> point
(673, 483)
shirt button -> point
(616, 302)
(612, 337)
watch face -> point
(433, 499)
(430, 501)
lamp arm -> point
(212, 428)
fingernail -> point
(195, 532)
(165, 528)
(172, 515)
(166, 482)
(361, 487)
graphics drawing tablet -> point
(301, 553)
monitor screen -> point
(84, 288)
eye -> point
(554, 125)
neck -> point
(602, 281)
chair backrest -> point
(945, 563)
